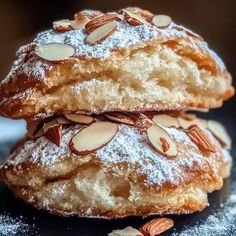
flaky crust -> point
(125, 177)
(136, 68)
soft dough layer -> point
(125, 177)
(136, 68)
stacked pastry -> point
(105, 98)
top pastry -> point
(130, 60)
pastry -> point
(105, 99)
(120, 71)
(112, 169)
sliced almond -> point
(156, 226)
(54, 51)
(137, 120)
(62, 25)
(185, 124)
(50, 124)
(101, 33)
(54, 135)
(81, 119)
(119, 117)
(201, 123)
(147, 15)
(200, 139)
(93, 137)
(84, 16)
(99, 21)
(219, 131)
(128, 231)
(161, 21)
(165, 120)
(133, 19)
(161, 141)
(76, 25)
(188, 116)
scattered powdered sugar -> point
(124, 36)
(221, 223)
(129, 145)
(12, 226)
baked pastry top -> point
(126, 175)
(147, 63)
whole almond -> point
(200, 139)
(156, 226)
(99, 21)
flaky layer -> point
(125, 177)
(136, 68)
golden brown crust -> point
(36, 87)
(126, 177)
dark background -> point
(215, 20)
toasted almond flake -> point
(165, 120)
(161, 21)
(133, 19)
(54, 51)
(62, 25)
(156, 226)
(101, 33)
(93, 137)
(99, 21)
(128, 231)
(81, 119)
(54, 135)
(219, 131)
(200, 139)
(201, 123)
(161, 141)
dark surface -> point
(43, 223)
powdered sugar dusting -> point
(124, 36)
(221, 223)
(12, 226)
(130, 146)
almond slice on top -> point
(99, 21)
(165, 120)
(81, 119)
(219, 131)
(54, 51)
(101, 33)
(156, 226)
(133, 19)
(147, 15)
(93, 137)
(54, 135)
(161, 21)
(201, 139)
(62, 25)
(161, 141)
(76, 25)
